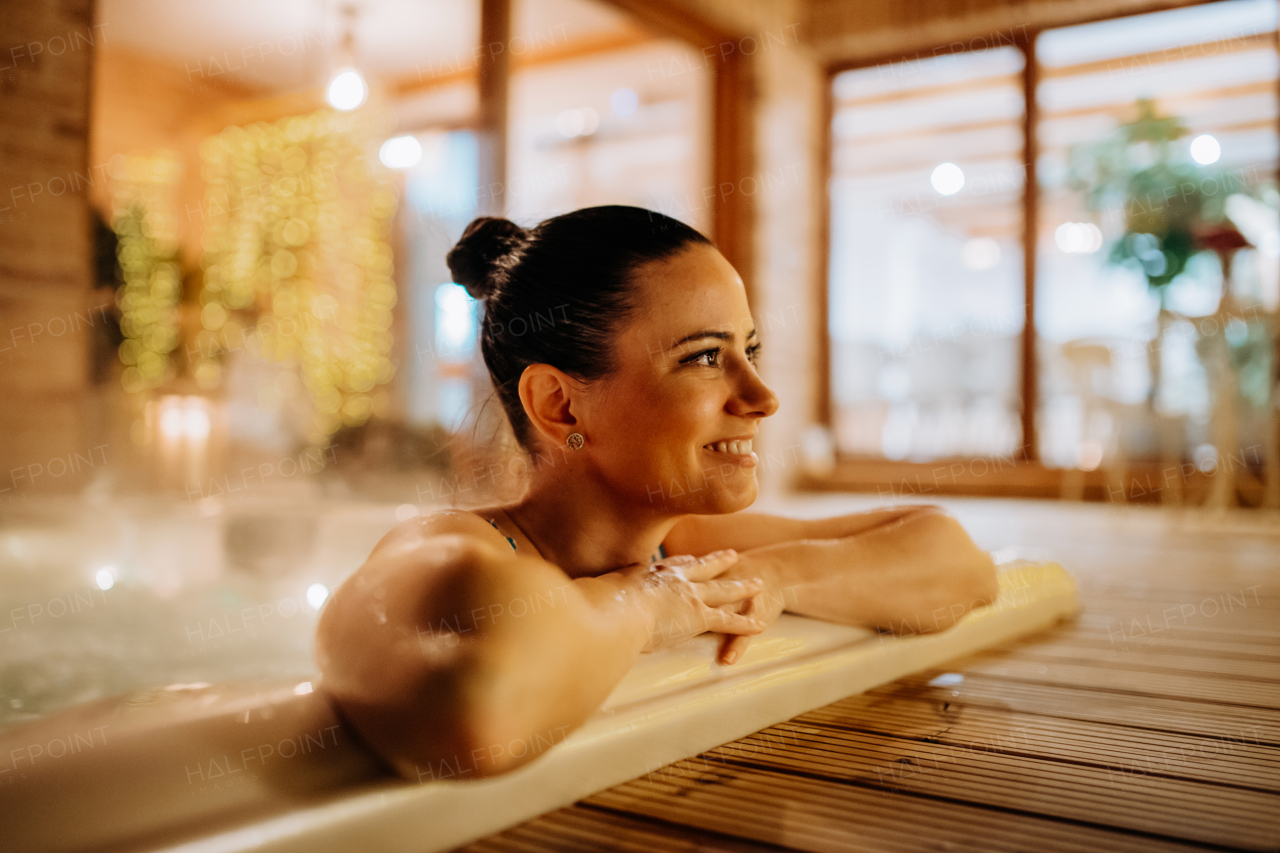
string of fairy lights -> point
(146, 229)
(296, 256)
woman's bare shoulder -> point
(444, 521)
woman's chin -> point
(712, 483)
(713, 496)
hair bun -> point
(476, 261)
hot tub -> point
(201, 595)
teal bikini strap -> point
(510, 541)
(662, 552)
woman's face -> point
(662, 427)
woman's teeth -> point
(742, 448)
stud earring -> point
(575, 440)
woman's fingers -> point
(734, 646)
(710, 566)
(720, 593)
(723, 622)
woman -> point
(632, 385)
(633, 388)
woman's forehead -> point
(696, 287)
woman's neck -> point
(583, 526)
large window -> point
(926, 256)
(1147, 123)
(601, 112)
(1156, 147)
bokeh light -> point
(347, 90)
(947, 179)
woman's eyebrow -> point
(709, 333)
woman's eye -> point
(708, 358)
(753, 353)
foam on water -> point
(192, 594)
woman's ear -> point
(547, 394)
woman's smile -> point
(737, 450)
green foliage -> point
(1138, 170)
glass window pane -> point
(628, 125)
(1157, 137)
(441, 198)
(926, 279)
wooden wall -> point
(46, 69)
(843, 31)
(142, 104)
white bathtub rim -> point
(393, 816)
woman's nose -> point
(756, 398)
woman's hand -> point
(765, 606)
(685, 596)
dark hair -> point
(557, 293)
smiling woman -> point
(632, 385)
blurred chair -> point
(1091, 370)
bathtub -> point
(196, 595)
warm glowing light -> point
(317, 595)
(1078, 238)
(400, 152)
(1205, 149)
(195, 422)
(1206, 457)
(302, 689)
(947, 179)
(1089, 456)
(142, 216)
(105, 578)
(184, 417)
(297, 254)
(171, 423)
(347, 90)
(980, 253)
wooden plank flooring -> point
(1151, 723)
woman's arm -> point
(702, 534)
(453, 657)
(917, 573)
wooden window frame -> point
(732, 140)
(1024, 475)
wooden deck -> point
(1151, 723)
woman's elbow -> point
(438, 734)
(411, 660)
(966, 578)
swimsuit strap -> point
(510, 541)
(662, 551)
